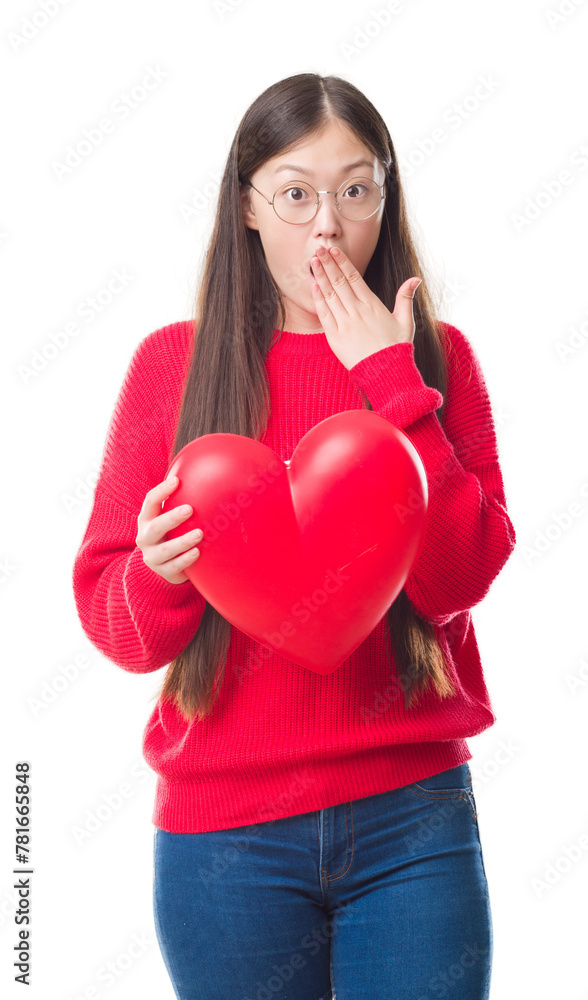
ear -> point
(246, 209)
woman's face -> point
(324, 162)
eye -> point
(298, 190)
(360, 188)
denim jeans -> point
(384, 896)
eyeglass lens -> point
(296, 201)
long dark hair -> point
(237, 307)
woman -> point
(316, 835)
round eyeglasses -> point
(297, 202)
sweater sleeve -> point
(468, 533)
(129, 612)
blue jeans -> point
(385, 896)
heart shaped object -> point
(304, 556)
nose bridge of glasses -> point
(335, 193)
(336, 203)
(320, 201)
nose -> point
(327, 219)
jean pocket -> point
(454, 781)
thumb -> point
(403, 306)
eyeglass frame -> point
(306, 184)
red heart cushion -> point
(304, 556)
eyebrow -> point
(348, 167)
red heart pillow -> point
(304, 556)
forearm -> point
(135, 617)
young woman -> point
(315, 835)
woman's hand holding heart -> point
(355, 320)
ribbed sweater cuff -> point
(390, 378)
(146, 586)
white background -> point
(505, 248)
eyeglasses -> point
(297, 202)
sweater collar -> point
(299, 343)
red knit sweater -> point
(283, 740)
